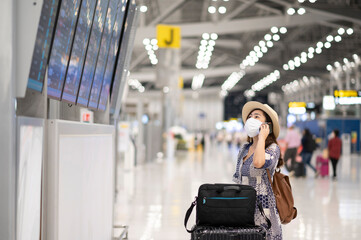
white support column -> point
(331, 82)
(348, 77)
(357, 70)
(168, 73)
(7, 119)
(140, 137)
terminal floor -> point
(152, 198)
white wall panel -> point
(29, 164)
(85, 187)
(79, 181)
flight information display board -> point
(124, 56)
(78, 51)
(44, 38)
(103, 54)
(113, 51)
(63, 39)
(92, 52)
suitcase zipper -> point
(223, 198)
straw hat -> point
(250, 106)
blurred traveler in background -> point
(261, 152)
(229, 139)
(308, 146)
(334, 150)
(220, 138)
(293, 141)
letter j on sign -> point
(168, 36)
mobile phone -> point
(270, 127)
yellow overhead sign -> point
(296, 104)
(345, 93)
(168, 36)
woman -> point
(261, 152)
(334, 150)
(308, 146)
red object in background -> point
(282, 144)
(86, 117)
(322, 165)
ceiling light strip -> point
(197, 81)
(257, 53)
(205, 50)
(136, 85)
(151, 46)
(295, 85)
(316, 49)
(303, 58)
(262, 48)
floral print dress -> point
(247, 174)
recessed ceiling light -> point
(283, 30)
(327, 45)
(222, 10)
(214, 36)
(341, 31)
(291, 11)
(276, 37)
(205, 36)
(212, 9)
(338, 38)
(301, 11)
(349, 31)
(267, 37)
(319, 44)
(143, 8)
(274, 29)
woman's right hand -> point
(264, 132)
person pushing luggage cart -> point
(261, 152)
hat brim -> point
(250, 106)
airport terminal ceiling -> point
(315, 33)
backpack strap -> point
(269, 176)
(188, 214)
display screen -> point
(113, 51)
(44, 38)
(103, 54)
(78, 51)
(63, 39)
(92, 52)
(126, 49)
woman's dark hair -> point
(337, 132)
(271, 138)
(307, 132)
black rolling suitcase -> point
(299, 169)
(227, 233)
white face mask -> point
(252, 127)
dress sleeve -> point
(272, 155)
(236, 177)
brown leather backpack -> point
(283, 194)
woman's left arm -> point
(259, 158)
